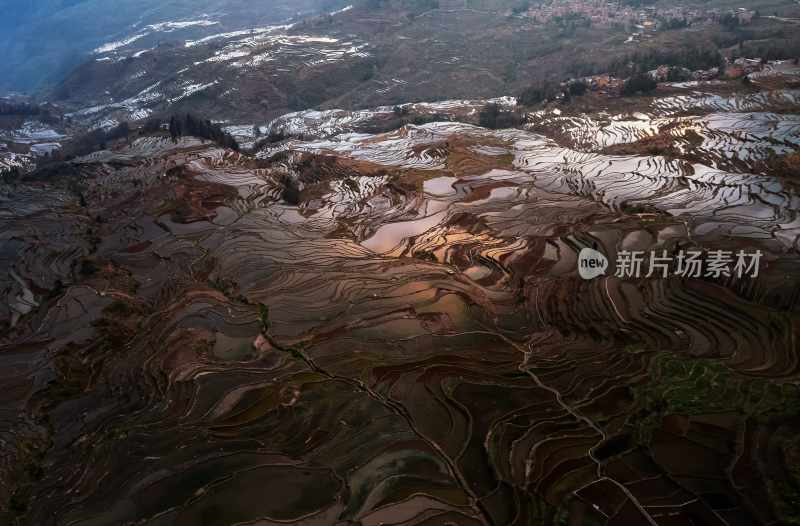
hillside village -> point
(609, 14)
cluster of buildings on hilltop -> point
(599, 12)
(604, 13)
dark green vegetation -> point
(690, 57)
(494, 117)
(194, 126)
(640, 83)
(686, 386)
(16, 111)
(177, 125)
(703, 389)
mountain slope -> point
(376, 53)
(41, 40)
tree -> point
(189, 124)
(122, 130)
(689, 57)
(12, 175)
(577, 88)
(488, 116)
(174, 129)
(151, 125)
(536, 94)
(641, 83)
(291, 190)
(493, 117)
(676, 74)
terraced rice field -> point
(357, 328)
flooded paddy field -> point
(390, 328)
